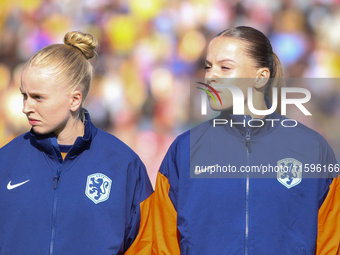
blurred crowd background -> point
(149, 50)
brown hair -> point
(68, 63)
(259, 48)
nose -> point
(211, 76)
(210, 79)
(27, 107)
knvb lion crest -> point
(98, 187)
(290, 172)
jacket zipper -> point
(247, 211)
(248, 145)
(54, 213)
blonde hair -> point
(68, 63)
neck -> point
(258, 103)
(73, 129)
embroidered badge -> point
(98, 187)
(290, 172)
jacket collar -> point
(237, 125)
(48, 143)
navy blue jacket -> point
(88, 204)
(213, 211)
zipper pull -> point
(248, 144)
(247, 137)
(55, 181)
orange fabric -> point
(63, 154)
(328, 241)
(164, 217)
(142, 245)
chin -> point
(219, 107)
(40, 131)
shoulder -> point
(195, 132)
(109, 144)
(301, 132)
(19, 147)
(306, 141)
(179, 151)
(16, 143)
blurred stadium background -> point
(149, 50)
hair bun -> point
(86, 43)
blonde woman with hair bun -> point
(68, 187)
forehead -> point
(226, 48)
(33, 79)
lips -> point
(211, 84)
(33, 121)
(212, 89)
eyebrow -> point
(220, 61)
(33, 93)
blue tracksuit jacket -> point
(91, 203)
(202, 209)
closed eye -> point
(24, 95)
(37, 97)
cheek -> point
(56, 119)
(243, 84)
(55, 110)
(60, 103)
(226, 97)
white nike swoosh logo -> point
(9, 186)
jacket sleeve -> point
(328, 240)
(164, 215)
(139, 194)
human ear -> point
(262, 76)
(76, 99)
